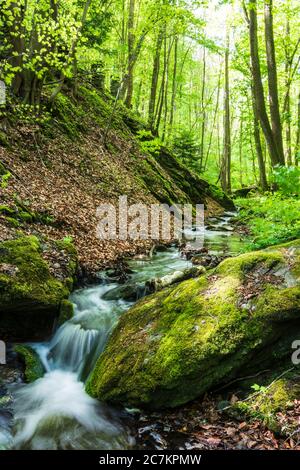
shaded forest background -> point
(218, 81)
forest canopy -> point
(226, 99)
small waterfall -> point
(55, 412)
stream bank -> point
(48, 422)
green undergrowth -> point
(270, 399)
(272, 219)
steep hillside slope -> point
(56, 170)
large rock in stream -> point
(175, 345)
(33, 285)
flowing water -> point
(54, 412)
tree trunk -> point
(214, 120)
(131, 61)
(226, 160)
(17, 41)
(174, 85)
(154, 80)
(256, 132)
(272, 81)
(297, 145)
(162, 86)
(259, 97)
(287, 99)
(203, 114)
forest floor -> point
(60, 174)
(215, 422)
(202, 425)
(53, 191)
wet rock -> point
(33, 368)
(204, 335)
(30, 293)
(188, 253)
(126, 292)
(208, 261)
(156, 284)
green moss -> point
(33, 366)
(70, 116)
(4, 142)
(245, 263)
(267, 401)
(6, 210)
(66, 311)
(12, 221)
(33, 278)
(30, 295)
(175, 345)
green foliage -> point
(287, 179)
(175, 345)
(269, 400)
(272, 219)
(186, 148)
(149, 144)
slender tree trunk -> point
(174, 85)
(138, 96)
(226, 161)
(214, 120)
(287, 100)
(131, 61)
(17, 42)
(241, 148)
(165, 114)
(154, 80)
(162, 87)
(297, 145)
(259, 152)
(259, 97)
(203, 113)
(272, 81)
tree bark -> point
(154, 80)
(259, 96)
(272, 81)
(131, 61)
(226, 160)
(203, 113)
(260, 157)
(174, 85)
(297, 145)
(17, 41)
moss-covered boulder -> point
(32, 286)
(33, 367)
(179, 343)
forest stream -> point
(54, 412)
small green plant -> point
(4, 180)
(4, 176)
(186, 148)
(67, 240)
(287, 179)
(148, 143)
(272, 219)
(259, 388)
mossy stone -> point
(66, 311)
(30, 296)
(177, 344)
(33, 367)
